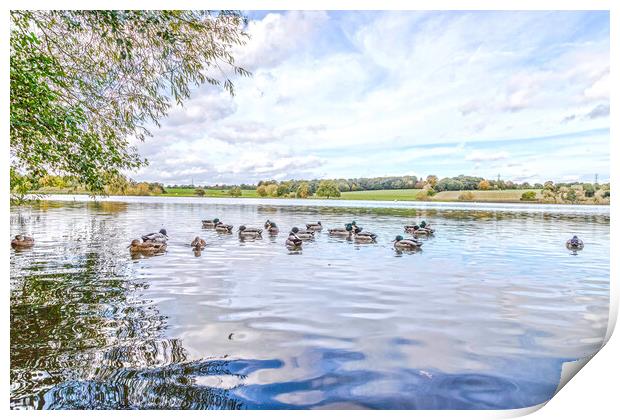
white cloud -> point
(365, 94)
(480, 156)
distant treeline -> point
(456, 183)
(429, 186)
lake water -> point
(482, 318)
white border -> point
(592, 394)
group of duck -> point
(155, 243)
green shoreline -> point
(497, 197)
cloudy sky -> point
(361, 94)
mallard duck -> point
(210, 223)
(574, 243)
(250, 233)
(346, 231)
(160, 236)
(304, 235)
(198, 243)
(22, 241)
(401, 243)
(364, 237)
(293, 241)
(314, 226)
(222, 228)
(271, 227)
(426, 226)
(147, 247)
(417, 230)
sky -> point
(344, 94)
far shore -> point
(406, 195)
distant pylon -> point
(596, 178)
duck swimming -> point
(160, 237)
(147, 247)
(271, 227)
(417, 230)
(222, 228)
(198, 243)
(345, 232)
(293, 241)
(22, 241)
(210, 223)
(303, 234)
(314, 226)
(401, 243)
(574, 243)
(364, 237)
(250, 233)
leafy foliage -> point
(84, 83)
(235, 192)
(328, 189)
(528, 196)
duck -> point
(198, 243)
(222, 228)
(426, 226)
(401, 243)
(250, 233)
(160, 237)
(314, 226)
(417, 230)
(303, 234)
(146, 247)
(574, 243)
(293, 241)
(271, 227)
(22, 241)
(364, 237)
(346, 231)
(210, 223)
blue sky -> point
(352, 94)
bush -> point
(528, 196)
(261, 190)
(235, 192)
(466, 196)
(200, 192)
(422, 195)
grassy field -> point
(491, 196)
(190, 192)
(504, 196)
(410, 195)
(380, 195)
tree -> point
(200, 192)
(589, 190)
(235, 192)
(261, 190)
(272, 190)
(528, 196)
(484, 185)
(83, 83)
(432, 180)
(303, 191)
(328, 189)
(571, 195)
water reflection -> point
(483, 317)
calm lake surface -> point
(483, 317)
